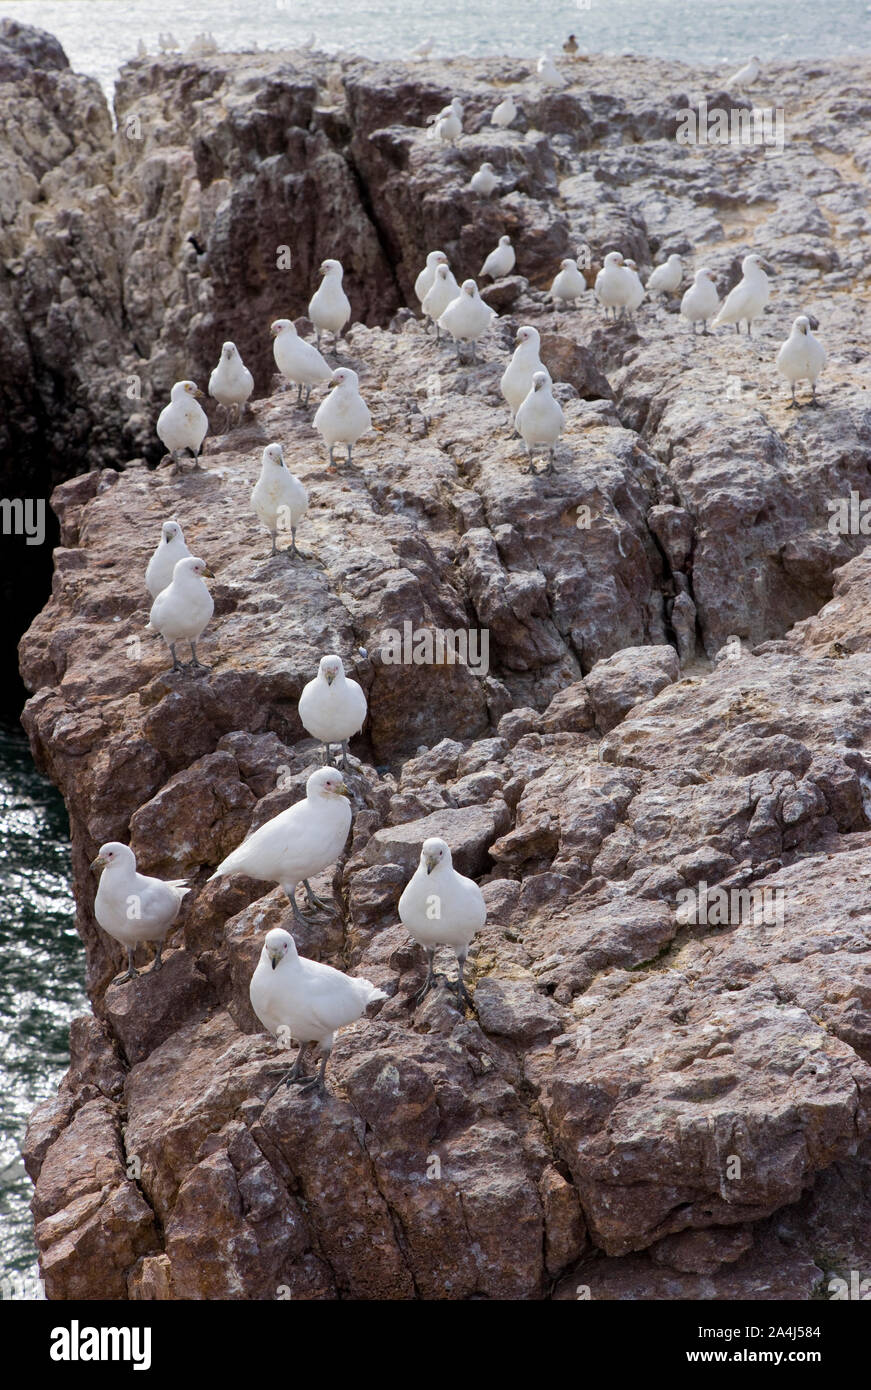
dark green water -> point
(42, 972)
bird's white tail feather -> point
(228, 865)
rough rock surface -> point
(643, 1105)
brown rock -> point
(629, 678)
(701, 1252)
(564, 1225)
(468, 831)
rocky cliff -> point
(641, 1105)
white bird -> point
(666, 278)
(423, 49)
(203, 45)
(279, 498)
(183, 423)
(171, 548)
(500, 260)
(614, 284)
(133, 907)
(231, 383)
(440, 907)
(484, 180)
(423, 283)
(516, 382)
(298, 361)
(801, 358)
(504, 113)
(454, 108)
(442, 292)
(745, 76)
(700, 301)
(183, 609)
(329, 308)
(448, 124)
(539, 420)
(344, 416)
(299, 998)
(748, 298)
(569, 284)
(549, 74)
(637, 292)
(332, 708)
(467, 317)
(448, 129)
(299, 842)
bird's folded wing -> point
(156, 899)
(331, 997)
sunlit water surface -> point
(41, 983)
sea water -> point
(42, 983)
(99, 35)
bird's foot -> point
(125, 976)
(195, 666)
(428, 984)
(314, 1084)
(290, 1078)
(463, 996)
(815, 404)
(315, 902)
(156, 964)
(793, 405)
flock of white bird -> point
(294, 997)
(618, 286)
